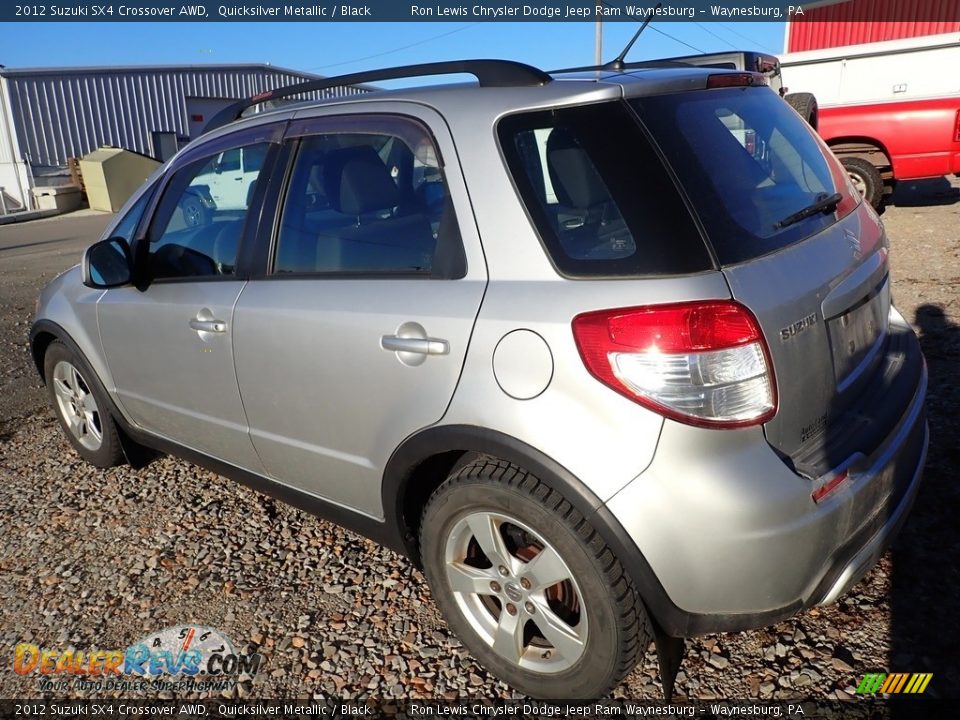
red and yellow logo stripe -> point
(894, 683)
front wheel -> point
(81, 407)
(529, 586)
(194, 213)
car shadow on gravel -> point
(925, 193)
(925, 625)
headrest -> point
(356, 181)
(575, 181)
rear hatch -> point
(801, 252)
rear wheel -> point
(81, 407)
(865, 178)
(528, 585)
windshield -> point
(747, 162)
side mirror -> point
(107, 264)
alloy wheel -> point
(516, 592)
(77, 406)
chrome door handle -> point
(212, 326)
(420, 346)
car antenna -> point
(617, 63)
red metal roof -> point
(864, 21)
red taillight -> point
(689, 327)
(956, 128)
(703, 363)
(745, 79)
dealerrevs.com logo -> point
(183, 657)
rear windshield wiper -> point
(824, 203)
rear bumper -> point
(734, 538)
(856, 559)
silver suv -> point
(611, 355)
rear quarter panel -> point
(598, 435)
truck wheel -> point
(528, 585)
(194, 214)
(866, 178)
(806, 105)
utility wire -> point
(665, 34)
(394, 50)
(708, 30)
(744, 37)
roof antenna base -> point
(617, 63)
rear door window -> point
(600, 198)
(366, 203)
(747, 162)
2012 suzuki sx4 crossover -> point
(611, 355)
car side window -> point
(128, 225)
(364, 203)
(253, 157)
(197, 227)
(229, 160)
(574, 195)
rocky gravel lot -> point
(100, 559)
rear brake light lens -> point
(702, 363)
(956, 128)
(745, 79)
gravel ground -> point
(100, 559)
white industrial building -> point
(48, 115)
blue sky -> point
(330, 49)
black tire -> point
(866, 177)
(109, 451)
(806, 105)
(194, 213)
(617, 629)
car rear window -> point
(747, 162)
(599, 196)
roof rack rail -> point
(489, 73)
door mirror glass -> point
(107, 264)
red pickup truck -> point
(881, 143)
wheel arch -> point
(423, 461)
(868, 148)
(40, 339)
(45, 331)
(201, 192)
